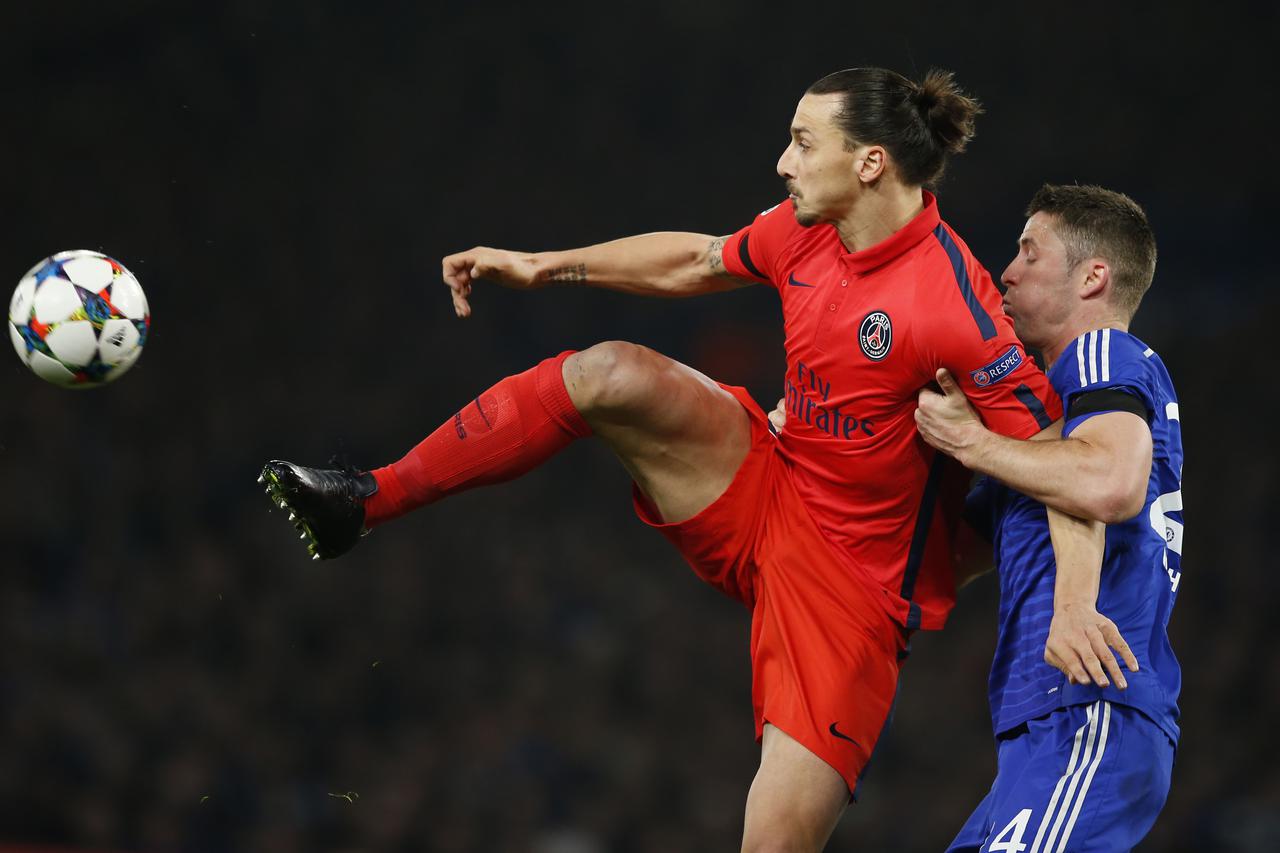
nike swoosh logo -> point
(791, 280)
(842, 735)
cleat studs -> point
(293, 516)
(315, 556)
(261, 479)
(302, 535)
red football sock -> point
(508, 430)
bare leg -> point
(795, 800)
(680, 435)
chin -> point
(1029, 338)
(804, 218)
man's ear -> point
(870, 163)
(1097, 278)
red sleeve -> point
(974, 340)
(753, 252)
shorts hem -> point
(822, 751)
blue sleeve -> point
(1107, 370)
(980, 507)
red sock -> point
(508, 430)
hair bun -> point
(947, 111)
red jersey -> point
(865, 331)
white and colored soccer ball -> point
(79, 319)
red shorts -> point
(824, 653)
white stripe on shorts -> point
(1070, 765)
(1072, 773)
(1088, 779)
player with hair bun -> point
(835, 533)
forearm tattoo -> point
(572, 274)
(715, 259)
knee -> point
(611, 376)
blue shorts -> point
(1087, 777)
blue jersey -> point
(1141, 569)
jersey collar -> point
(899, 242)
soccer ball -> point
(79, 319)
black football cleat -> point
(326, 505)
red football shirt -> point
(865, 331)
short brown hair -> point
(1093, 222)
(919, 124)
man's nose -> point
(1007, 278)
(784, 164)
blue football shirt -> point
(1142, 565)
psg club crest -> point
(875, 335)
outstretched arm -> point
(664, 264)
(1098, 472)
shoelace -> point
(340, 461)
(350, 485)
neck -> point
(881, 210)
(1060, 345)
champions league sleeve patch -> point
(998, 369)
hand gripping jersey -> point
(865, 331)
(1106, 370)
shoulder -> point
(961, 321)
(960, 290)
(1109, 370)
(1104, 358)
(948, 249)
(775, 227)
(762, 248)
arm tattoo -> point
(572, 274)
(715, 258)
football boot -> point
(326, 505)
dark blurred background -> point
(526, 667)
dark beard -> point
(804, 220)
